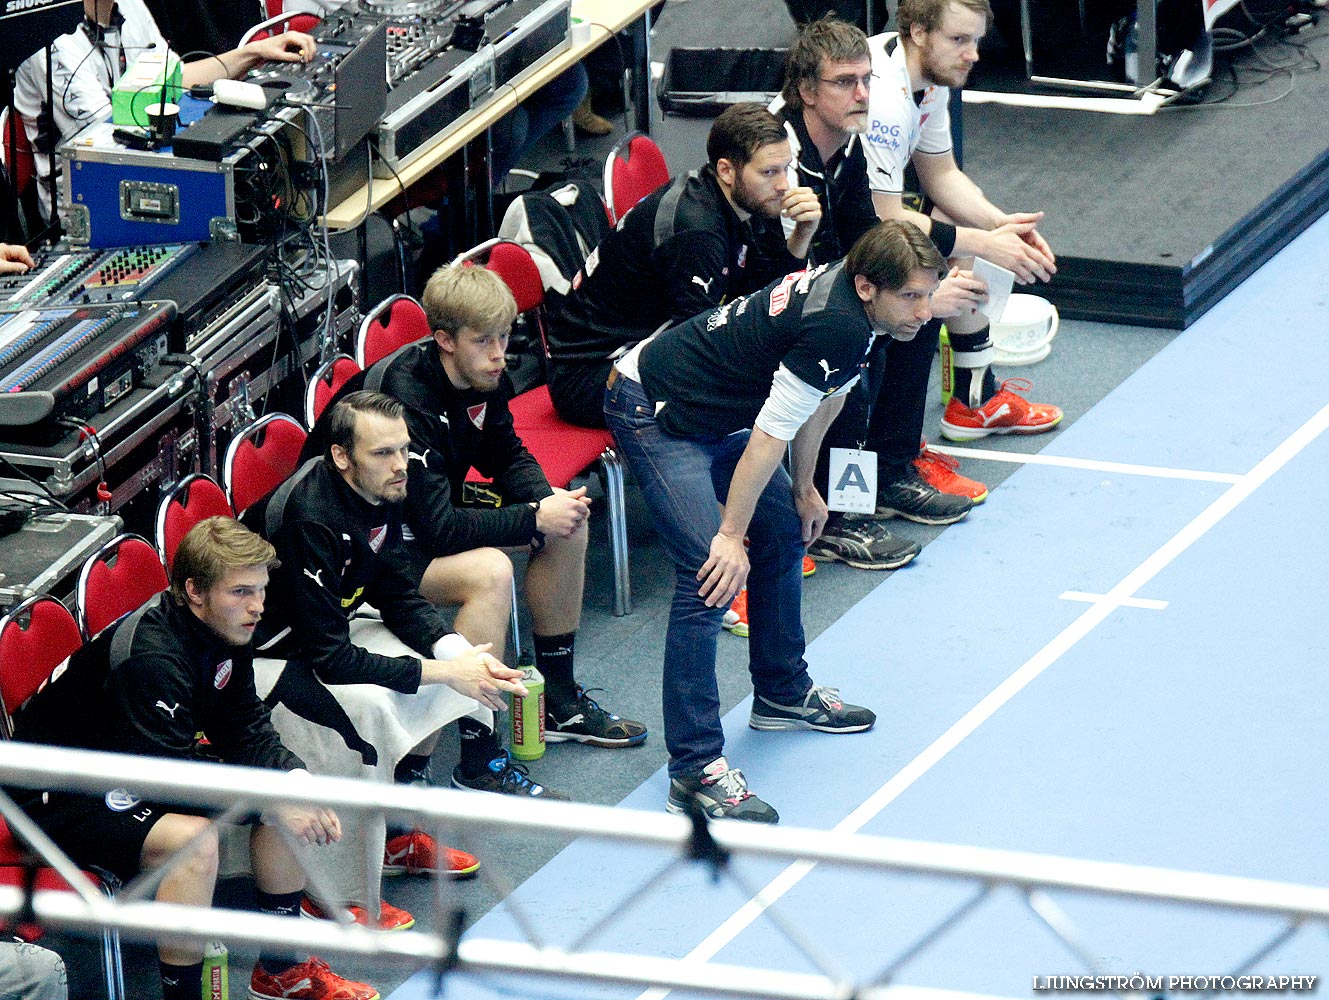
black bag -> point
(853, 11)
(703, 82)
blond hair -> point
(212, 548)
(471, 297)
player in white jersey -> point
(909, 123)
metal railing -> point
(237, 791)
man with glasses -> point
(824, 107)
(826, 103)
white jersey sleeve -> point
(898, 124)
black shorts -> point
(411, 560)
(103, 833)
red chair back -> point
(512, 262)
(634, 168)
(14, 137)
(260, 458)
(120, 577)
(275, 24)
(395, 322)
(36, 637)
(325, 384)
(195, 498)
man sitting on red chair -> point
(681, 251)
(148, 684)
(456, 396)
(357, 696)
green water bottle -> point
(216, 984)
(527, 717)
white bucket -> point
(1024, 333)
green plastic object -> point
(142, 84)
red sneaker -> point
(809, 567)
(417, 853)
(310, 980)
(390, 918)
(941, 472)
(1004, 413)
(736, 618)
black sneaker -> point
(821, 709)
(506, 776)
(722, 793)
(863, 543)
(915, 499)
(586, 722)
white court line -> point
(1122, 468)
(1130, 602)
(1030, 670)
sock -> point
(413, 770)
(180, 982)
(281, 904)
(479, 745)
(972, 381)
(553, 658)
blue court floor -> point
(1136, 673)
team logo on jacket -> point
(121, 800)
(223, 675)
(742, 256)
(377, 537)
(477, 415)
(780, 293)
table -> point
(606, 17)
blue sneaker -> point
(506, 776)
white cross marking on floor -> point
(1129, 602)
(1027, 673)
(1066, 462)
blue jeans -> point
(515, 133)
(684, 481)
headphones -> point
(97, 32)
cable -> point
(25, 475)
(1254, 63)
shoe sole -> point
(595, 741)
(392, 871)
(739, 630)
(788, 725)
(681, 810)
(546, 797)
(862, 564)
(255, 995)
(953, 433)
(933, 519)
(390, 930)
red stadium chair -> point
(120, 577)
(276, 23)
(195, 498)
(260, 458)
(563, 450)
(634, 168)
(325, 384)
(23, 171)
(37, 639)
(395, 322)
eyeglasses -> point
(849, 81)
